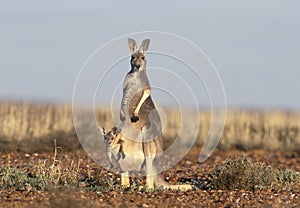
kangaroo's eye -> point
(143, 57)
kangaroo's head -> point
(138, 58)
(111, 137)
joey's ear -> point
(102, 130)
(115, 130)
(118, 130)
(145, 45)
(132, 45)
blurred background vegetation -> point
(32, 127)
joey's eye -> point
(143, 57)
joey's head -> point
(111, 137)
(138, 56)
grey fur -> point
(132, 45)
(145, 45)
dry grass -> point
(42, 176)
(270, 130)
(32, 127)
(53, 175)
(23, 120)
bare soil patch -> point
(94, 187)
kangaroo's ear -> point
(145, 45)
(118, 130)
(115, 130)
(102, 130)
(132, 45)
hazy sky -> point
(253, 44)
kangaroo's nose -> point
(138, 66)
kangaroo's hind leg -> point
(150, 173)
(149, 149)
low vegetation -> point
(243, 174)
(74, 180)
(236, 174)
(52, 175)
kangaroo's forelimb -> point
(146, 94)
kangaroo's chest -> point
(133, 87)
(134, 84)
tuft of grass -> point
(242, 173)
(43, 176)
(54, 175)
(13, 179)
(49, 177)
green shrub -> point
(17, 179)
(242, 173)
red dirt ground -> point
(187, 169)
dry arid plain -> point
(42, 164)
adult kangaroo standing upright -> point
(139, 117)
(140, 120)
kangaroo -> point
(129, 155)
(113, 144)
(141, 126)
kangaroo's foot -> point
(183, 187)
(162, 184)
(125, 180)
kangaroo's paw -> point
(134, 119)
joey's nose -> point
(137, 66)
